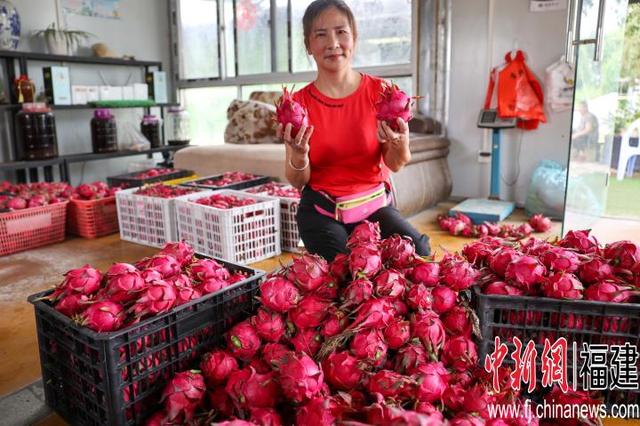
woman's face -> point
(331, 41)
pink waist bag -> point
(357, 207)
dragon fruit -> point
(309, 312)
(274, 353)
(540, 223)
(390, 283)
(622, 254)
(460, 353)
(289, 111)
(501, 288)
(397, 333)
(398, 252)
(365, 233)
(72, 304)
(365, 260)
(211, 285)
(158, 297)
(335, 324)
(124, 287)
(410, 357)
(374, 313)
(180, 251)
(203, 269)
(432, 381)
(357, 292)
(453, 396)
(562, 286)
(581, 241)
(429, 329)
(369, 345)
(477, 253)
(419, 298)
(457, 321)
(249, 389)
(342, 370)
(217, 365)
(607, 291)
(301, 378)
(502, 258)
(458, 274)
(186, 294)
(17, 203)
(525, 272)
(339, 267)
(328, 290)
(307, 340)
(243, 341)
(279, 294)
(444, 299)
(270, 326)
(265, 417)
(560, 260)
(85, 280)
(389, 384)
(426, 273)
(393, 104)
(595, 270)
(466, 420)
(308, 271)
(102, 316)
(317, 412)
(476, 400)
(167, 265)
(183, 394)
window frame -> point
(432, 15)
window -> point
(251, 50)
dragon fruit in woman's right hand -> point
(290, 111)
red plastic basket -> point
(29, 228)
(92, 218)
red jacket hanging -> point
(519, 93)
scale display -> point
(488, 119)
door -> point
(600, 41)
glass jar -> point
(150, 128)
(178, 131)
(36, 133)
(104, 133)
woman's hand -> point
(395, 145)
(300, 144)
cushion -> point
(250, 122)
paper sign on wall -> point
(547, 5)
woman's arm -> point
(395, 145)
(296, 167)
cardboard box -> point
(157, 81)
(57, 86)
(79, 95)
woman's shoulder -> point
(302, 94)
(374, 86)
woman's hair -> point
(317, 7)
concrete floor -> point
(23, 274)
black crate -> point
(580, 321)
(117, 378)
(259, 180)
(127, 180)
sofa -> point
(421, 184)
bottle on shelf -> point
(25, 89)
(104, 133)
(150, 128)
(36, 132)
(178, 131)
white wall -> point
(542, 37)
(142, 31)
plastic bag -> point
(558, 82)
(547, 190)
(131, 139)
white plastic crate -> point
(289, 235)
(148, 220)
(242, 235)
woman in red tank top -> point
(345, 150)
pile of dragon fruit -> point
(155, 172)
(225, 202)
(160, 190)
(127, 293)
(28, 195)
(575, 267)
(461, 224)
(93, 191)
(275, 189)
(378, 336)
(227, 178)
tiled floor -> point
(26, 273)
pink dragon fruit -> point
(253, 389)
(365, 233)
(398, 252)
(265, 417)
(432, 381)
(500, 288)
(308, 271)
(540, 223)
(279, 294)
(125, 286)
(186, 294)
(274, 353)
(342, 370)
(389, 384)
(458, 275)
(374, 313)
(183, 394)
(85, 280)
(477, 400)
(167, 265)
(357, 292)
(102, 316)
(581, 241)
(365, 260)
(369, 345)
(390, 283)
(526, 272)
(595, 270)
(534, 247)
(466, 420)
(419, 298)
(562, 286)
(622, 254)
(410, 357)
(158, 297)
(453, 396)
(393, 104)
(328, 290)
(317, 412)
(339, 267)
(460, 353)
(309, 312)
(289, 111)
(560, 260)
(72, 304)
(181, 251)
(607, 291)
(397, 333)
(301, 378)
(243, 341)
(211, 285)
(444, 299)
(429, 329)
(203, 269)
(457, 321)
(307, 340)
(502, 258)
(270, 326)
(217, 365)
(336, 322)
(477, 252)
(426, 273)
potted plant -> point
(62, 42)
